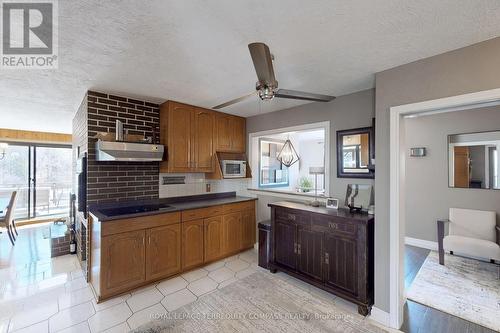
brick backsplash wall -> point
(119, 181)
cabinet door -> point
(340, 263)
(223, 132)
(192, 243)
(163, 252)
(285, 243)
(213, 238)
(122, 261)
(239, 132)
(203, 138)
(249, 227)
(231, 232)
(310, 253)
(179, 138)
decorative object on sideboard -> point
(332, 203)
(418, 152)
(355, 153)
(3, 148)
(288, 155)
(359, 197)
(316, 171)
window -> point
(311, 143)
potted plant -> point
(305, 184)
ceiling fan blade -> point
(234, 101)
(294, 94)
(263, 63)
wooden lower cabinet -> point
(310, 253)
(248, 228)
(231, 233)
(213, 238)
(285, 236)
(123, 261)
(341, 263)
(163, 251)
(192, 244)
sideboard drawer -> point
(338, 225)
(298, 217)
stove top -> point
(134, 209)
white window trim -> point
(325, 125)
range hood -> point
(128, 151)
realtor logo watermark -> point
(29, 34)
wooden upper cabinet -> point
(203, 140)
(230, 132)
(213, 238)
(192, 243)
(176, 135)
(248, 228)
(163, 251)
(122, 261)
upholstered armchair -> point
(471, 233)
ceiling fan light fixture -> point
(288, 155)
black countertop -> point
(175, 204)
(341, 212)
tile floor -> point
(51, 295)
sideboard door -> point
(310, 253)
(341, 263)
(285, 244)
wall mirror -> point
(473, 160)
(355, 151)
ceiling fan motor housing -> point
(266, 92)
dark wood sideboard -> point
(330, 249)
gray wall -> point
(345, 112)
(428, 196)
(465, 70)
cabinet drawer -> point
(298, 217)
(238, 207)
(336, 225)
(201, 213)
(138, 223)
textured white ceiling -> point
(196, 51)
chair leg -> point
(15, 229)
(11, 236)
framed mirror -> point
(473, 160)
(355, 151)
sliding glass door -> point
(42, 176)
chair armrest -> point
(497, 228)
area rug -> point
(260, 302)
(466, 288)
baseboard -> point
(425, 244)
(380, 316)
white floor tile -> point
(244, 273)
(221, 274)
(237, 265)
(9, 309)
(227, 283)
(146, 315)
(231, 258)
(143, 289)
(145, 299)
(172, 285)
(76, 297)
(120, 328)
(80, 328)
(249, 256)
(78, 283)
(42, 327)
(195, 274)
(71, 316)
(109, 317)
(176, 300)
(202, 286)
(76, 274)
(215, 265)
(110, 302)
(33, 315)
(4, 325)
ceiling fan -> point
(267, 86)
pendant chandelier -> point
(288, 155)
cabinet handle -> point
(333, 225)
(295, 247)
(291, 217)
(149, 239)
(143, 240)
(327, 258)
(298, 249)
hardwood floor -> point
(419, 318)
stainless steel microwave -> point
(234, 169)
